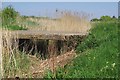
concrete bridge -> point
(46, 42)
(32, 34)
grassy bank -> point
(97, 55)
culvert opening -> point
(45, 48)
(42, 48)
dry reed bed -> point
(67, 22)
(8, 55)
(13, 61)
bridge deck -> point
(42, 34)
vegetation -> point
(14, 62)
(67, 21)
(9, 19)
(105, 18)
(14, 27)
(9, 15)
(15, 65)
(97, 55)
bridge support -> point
(52, 48)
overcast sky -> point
(96, 9)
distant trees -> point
(9, 15)
(95, 19)
(105, 18)
(118, 17)
(113, 17)
(0, 14)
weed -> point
(99, 57)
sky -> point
(95, 9)
(60, 0)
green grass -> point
(14, 27)
(97, 55)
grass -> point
(97, 55)
(14, 27)
(15, 63)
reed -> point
(15, 63)
(66, 21)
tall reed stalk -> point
(15, 63)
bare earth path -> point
(38, 67)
